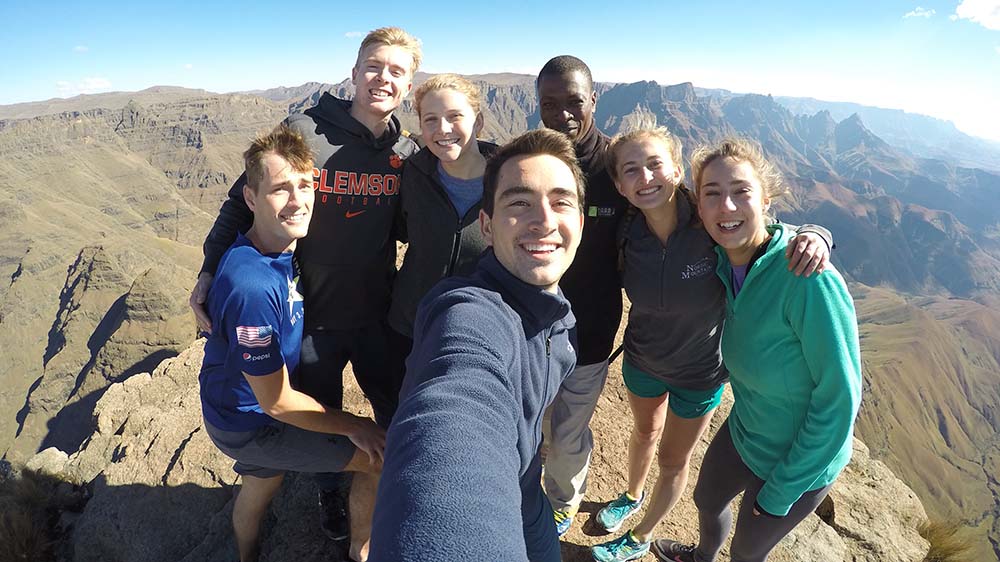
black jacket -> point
(592, 284)
(441, 243)
(348, 259)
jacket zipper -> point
(663, 262)
(456, 243)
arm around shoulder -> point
(234, 217)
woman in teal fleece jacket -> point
(791, 346)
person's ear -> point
(477, 127)
(248, 197)
(486, 227)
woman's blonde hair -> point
(448, 82)
(742, 150)
(661, 134)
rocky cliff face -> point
(161, 491)
(105, 205)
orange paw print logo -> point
(395, 161)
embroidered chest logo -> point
(595, 211)
(395, 161)
(697, 269)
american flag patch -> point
(253, 336)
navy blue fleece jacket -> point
(462, 470)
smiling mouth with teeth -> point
(448, 142)
(649, 190)
(379, 94)
(540, 248)
(730, 225)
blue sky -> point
(940, 58)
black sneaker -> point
(334, 517)
(673, 551)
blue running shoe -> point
(564, 520)
(621, 549)
(616, 512)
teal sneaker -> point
(564, 520)
(621, 549)
(616, 512)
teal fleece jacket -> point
(791, 346)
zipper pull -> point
(548, 346)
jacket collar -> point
(426, 162)
(538, 308)
(590, 151)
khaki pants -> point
(568, 435)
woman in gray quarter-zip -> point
(672, 366)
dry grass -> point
(27, 509)
(949, 543)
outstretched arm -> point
(450, 487)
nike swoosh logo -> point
(352, 214)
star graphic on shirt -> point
(293, 294)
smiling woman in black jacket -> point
(440, 195)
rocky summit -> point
(161, 491)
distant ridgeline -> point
(108, 197)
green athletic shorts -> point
(683, 402)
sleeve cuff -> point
(765, 512)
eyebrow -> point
(717, 184)
(522, 190)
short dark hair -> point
(537, 142)
(564, 65)
(283, 142)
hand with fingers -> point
(370, 438)
(807, 253)
(197, 302)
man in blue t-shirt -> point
(251, 411)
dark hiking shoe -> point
(334, 518)
(673, 551)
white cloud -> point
(354, 34)
(81, 49)
(188, 66)
(984, 12)
(920, 13)
(90, 85)
(998, 49)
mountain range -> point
(106, 199)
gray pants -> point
(723, 476)
(569, 439)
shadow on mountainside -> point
(71, 427)
(45, 518)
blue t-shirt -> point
(255, 304)
(463, 193)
